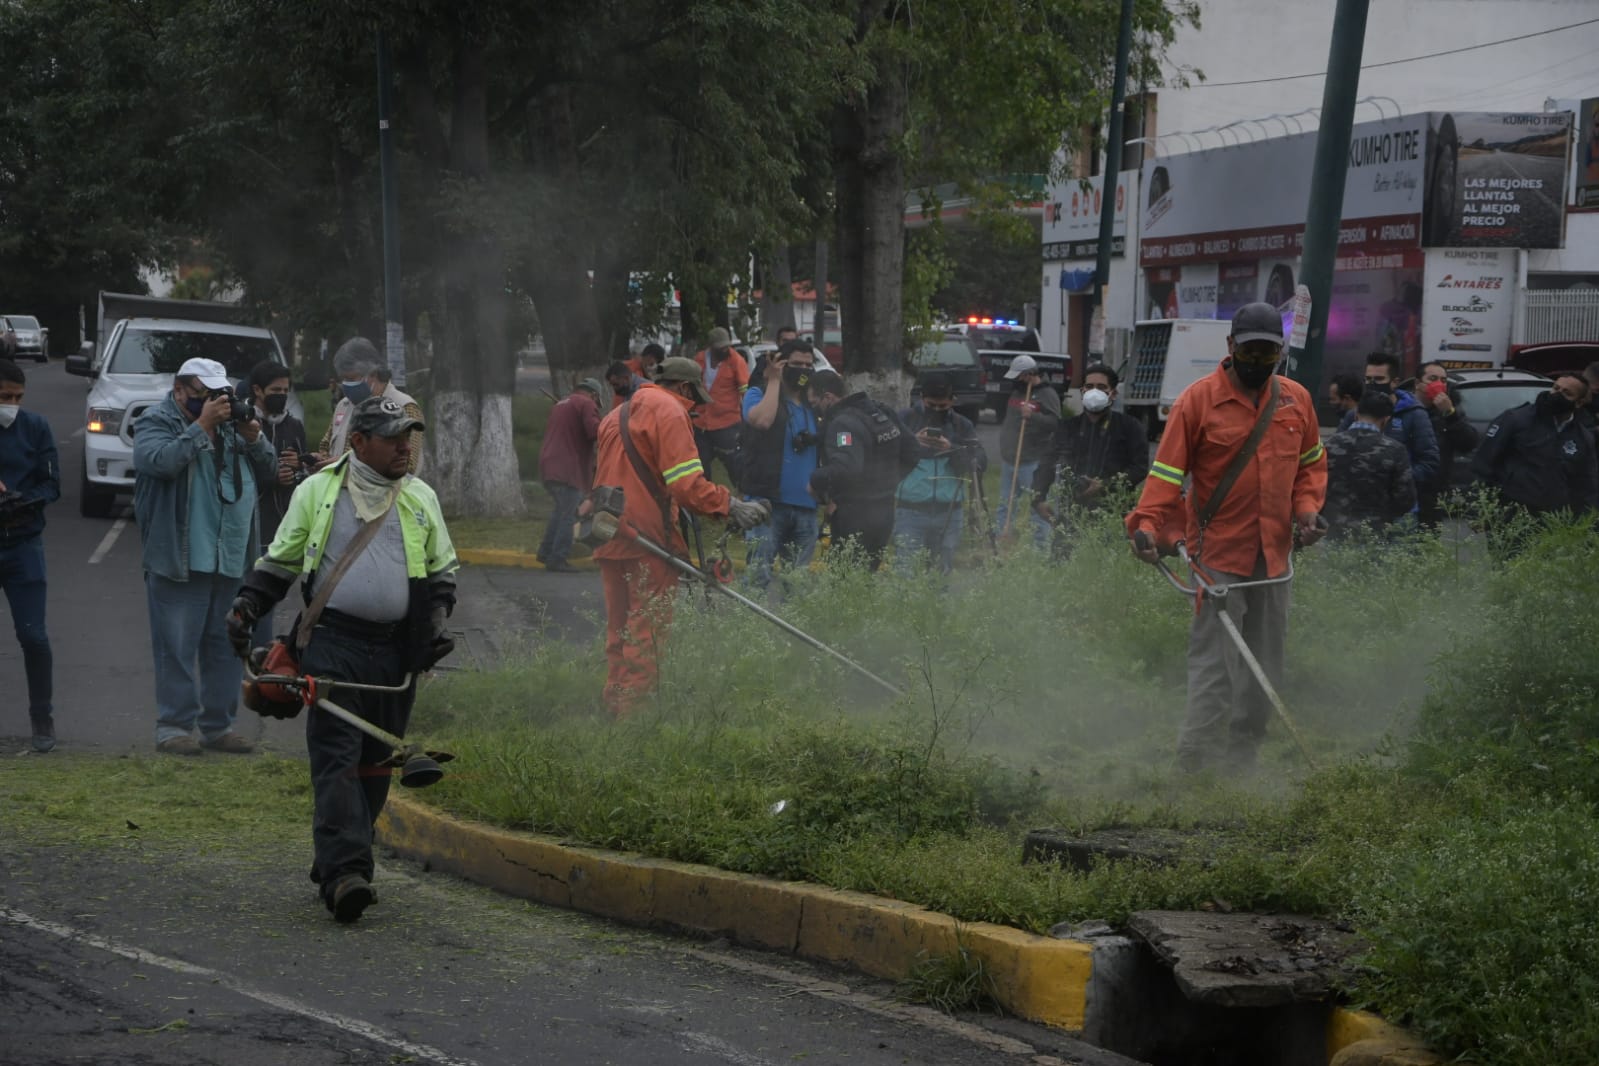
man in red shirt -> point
(726, 377)
(566, 466)
(1240, 521)
(662, 474)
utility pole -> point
(393, 325)
(1113, 156)
(1327, 183)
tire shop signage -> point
(1585, 192)
(1071, 217)
(1248, 201)
(1467, 304)
(1497, 180)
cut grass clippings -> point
(1049, 693)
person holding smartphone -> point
(269, 393)
(929, 505)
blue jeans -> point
(936, 530)
(1024, 502)
(557, 542)
(22, 576)
(196, 673)
(790, 534)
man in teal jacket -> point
(384, 623)
(196, 467)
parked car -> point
(954, 358)
(30, 340)
(1484, 396)
(135, 373)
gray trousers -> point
(1227, 710)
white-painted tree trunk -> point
(471, 462)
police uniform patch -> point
(1570, 447)
(1493, 430)
(844, 440)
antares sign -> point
(1466, 312)
(1249, 201)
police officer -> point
(866, 450)
(1539, 456)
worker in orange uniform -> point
(1247, 441)
(727, 378)
(646, 448)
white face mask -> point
(8, 414)
(1095, 400)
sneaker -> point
(352, 894)
(562, 567)
(44, 734)
(180, 746)
(230, 743)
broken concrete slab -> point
(1249, 960)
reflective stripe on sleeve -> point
(1316, 452)
(682, 470)
(1167, 473)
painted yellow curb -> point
(506, 557)
(1035, 977)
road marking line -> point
(108, 540)
(77, 433)
(353, 1026)
(705, 1043)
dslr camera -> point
(239, 411)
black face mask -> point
(1555, 403)
(1384, 389)
(1253, 375)
(275, 404)
(795, 378)
(937, 416)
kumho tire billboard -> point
(1496, 180)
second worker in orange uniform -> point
(646, 448)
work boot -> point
(44, 734)
(560, 567)
(230, 743)
(352, 894)
(184, 745)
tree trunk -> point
(555, 269)
(777, 292)
(871, 230)
(471, 462)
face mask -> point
(194, 405)
(796, 378)
(1095, 401)
(355, 391)
(8, 414)
(1254, 375)
(1380, 390)
(1019, 385)
(937, 416)
(275, 404)
(1556, 403)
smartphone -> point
(934, 431)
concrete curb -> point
(1038, 978)
(506, 557)
(1069, 984)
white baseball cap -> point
(1022, 364)
(212, 374)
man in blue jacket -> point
(196, 466)
(1411, 425)
(30, 478)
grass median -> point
(1450, 698)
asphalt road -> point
(144, 956)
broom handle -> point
(1016, 466)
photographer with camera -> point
(198, 457)
(269, 394)
(929, 505)
(30, 478)
(778, 443)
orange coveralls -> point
(1248, 538)
(639, 586)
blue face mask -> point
(194, 405)
(355, 391)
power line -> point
(1397, 62)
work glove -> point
(440, 642)
(747, 514)
(247, 611)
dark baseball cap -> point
(382, 416)
(682, 369)
(1257, 322)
